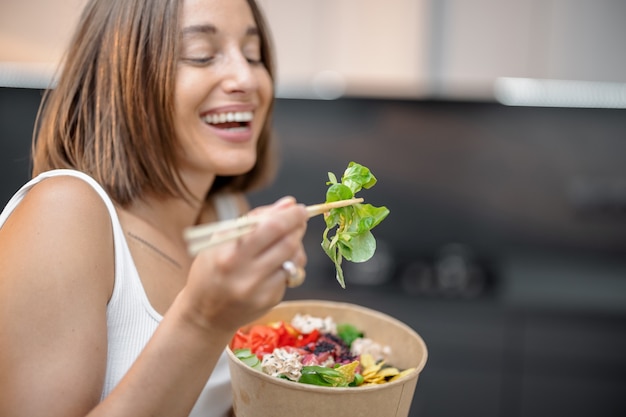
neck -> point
(170, 216)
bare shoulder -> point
(59, 219)
(67, 192)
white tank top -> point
(131, 320)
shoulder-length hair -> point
(111, 112)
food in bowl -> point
(317, 351)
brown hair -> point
(110, 114)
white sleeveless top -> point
(131, 320)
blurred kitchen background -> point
(497, 131)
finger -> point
(274, 226)
(272, 259)
(257, 258)
(280, 203)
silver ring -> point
(295, 275)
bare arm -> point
(56, 275)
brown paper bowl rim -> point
(309, 387)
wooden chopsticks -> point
(208, 235)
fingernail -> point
(285, 201)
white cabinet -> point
(33, 38)
(391, 48)
(477, 41)
(481, 40)
(36, 30)
(584, 40)
(444, 48)
(359, 47)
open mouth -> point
(234, 121)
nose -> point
(239, 76)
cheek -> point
(265, 82)
(266, 87)
(184, 99)
(189, 88)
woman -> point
(159, 121)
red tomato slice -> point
(286, 335)
(239, 341)
(262, 339)
(305, 339)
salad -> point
(317, 351)
(352, 239)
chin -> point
(239, 168)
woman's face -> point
(223, 91)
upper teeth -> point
(240, 116)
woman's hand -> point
(236, 282)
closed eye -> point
(199, 61)
(254, 61)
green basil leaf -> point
(356, 176)
(369, 216)
(322, 376)
(358, 380)
(247, 357)
(316, 375)
(338, 192)
(348, 333)
(359, 248)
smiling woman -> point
(134, 145)
(220, 75)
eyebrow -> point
(212, 30)
(190, 30)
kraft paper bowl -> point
(256, 394)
